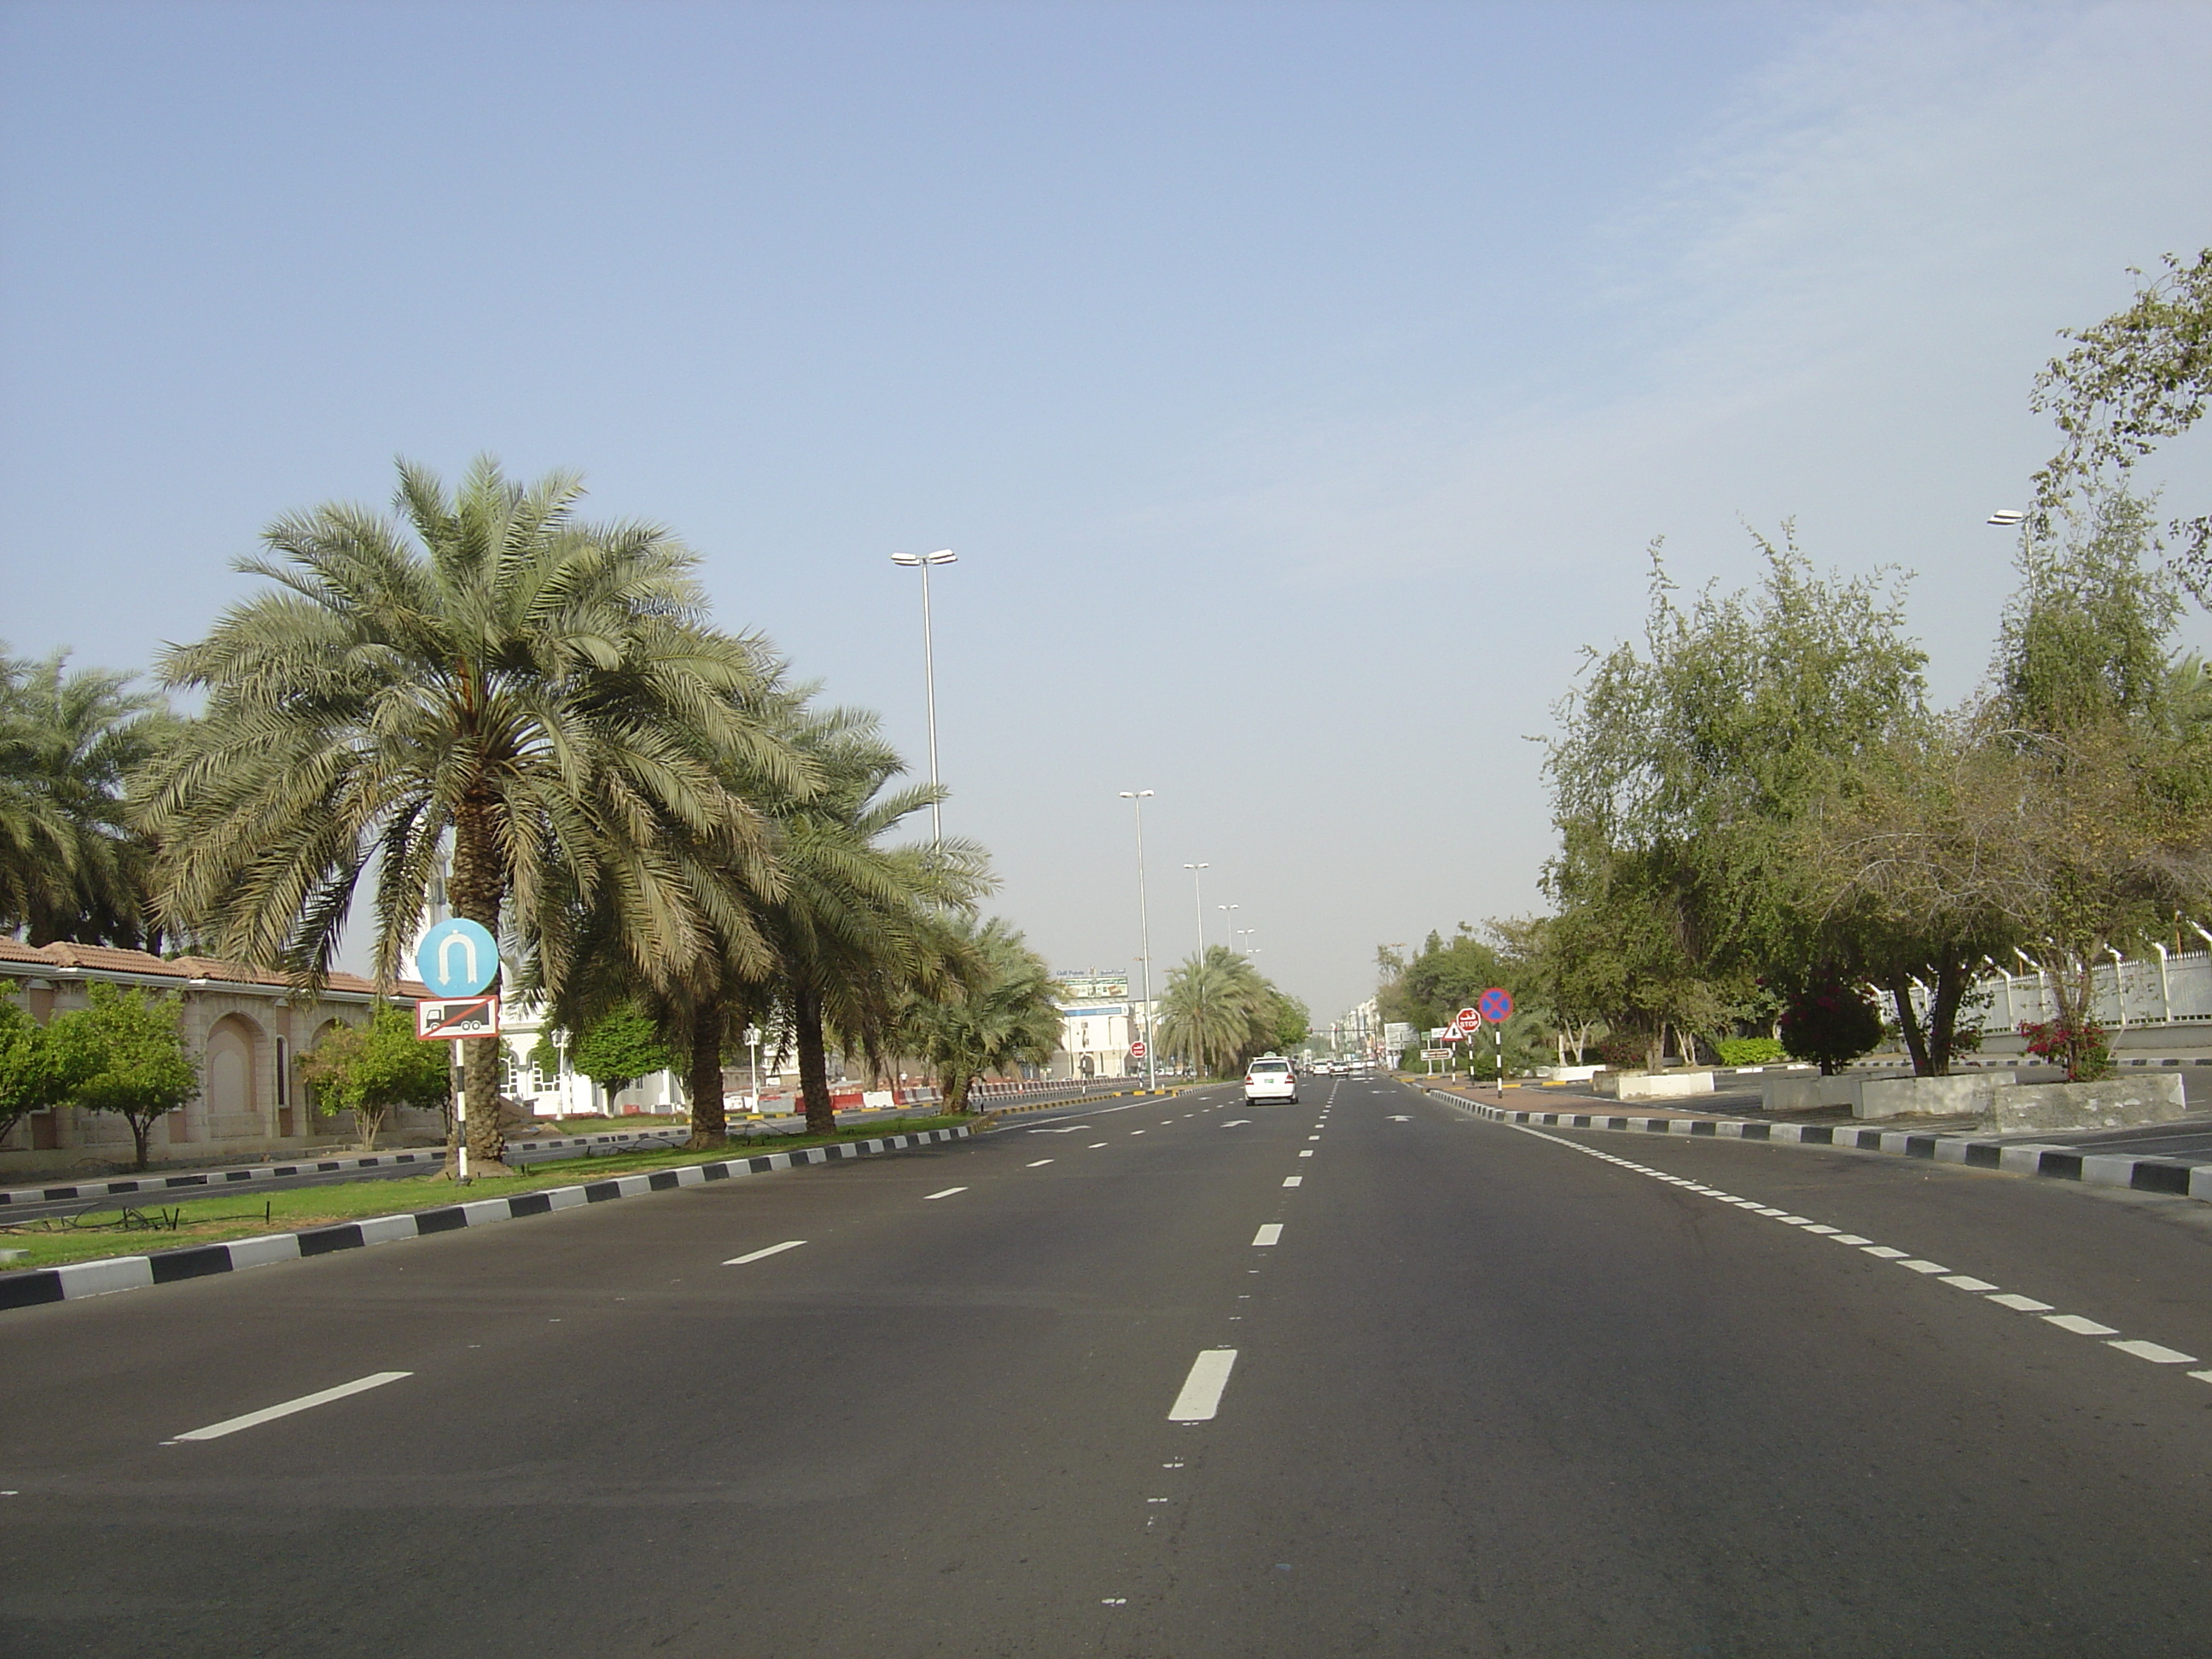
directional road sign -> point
(1496, 1005)
(456, 958)
(1468, 1020)
(450, 1021)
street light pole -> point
(922, 562)
(1197, 906)
(1229, 923)
(1138, 798)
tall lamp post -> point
(922, 562)
(1137, 798)
(1198, 905)
(1229, 923)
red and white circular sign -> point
(1137, 1049)
(1468, 1020)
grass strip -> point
(236, 1214)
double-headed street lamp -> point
(922, 562)
(1229, 923)
(1197, 904)
(1137, 798)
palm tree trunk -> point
(476, 891)
(813, 1059)
(703, 1080)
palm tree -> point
(70, 868)
(1005, 1011)
(1217, 1010)
(490, 681)
(856, 933)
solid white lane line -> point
(763, 1255)
(305, 1401)
(2155, 1353)
(1040, 1163)
(947, 1193)
(1294, 1180)
(1201, 1391)
(1270, 1234)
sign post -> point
(1496, 1005)
(457, 959)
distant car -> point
(1269, 1078)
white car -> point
(1270, 1078)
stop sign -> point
(1468, 1020)
(1137, 1048)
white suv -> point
(1270, 1078)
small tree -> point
(1829, 1021)
(619, 1048)
(32, 1077)
(373, 1070)
(125, 1054)
(1004, 1014)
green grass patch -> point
(167, 1223)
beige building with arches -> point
(245, 1030)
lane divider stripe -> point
(763, 1255)
(305, 1402)
(1201, 1391)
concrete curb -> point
(1077, 1100)
(36, 1286)
(2143, 1175)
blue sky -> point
(1300, 384)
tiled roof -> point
(105, 958)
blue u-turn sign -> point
(456, 958)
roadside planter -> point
(1925, 1096)
(2113, 1104)
(1651, 1085)
(1801, 1093)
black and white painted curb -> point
(2143, 1175)
(35, 1287)
(170, 1183)
(1076, 1100)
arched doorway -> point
(229, 1104)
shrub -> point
(1750, 1051)
(2083, 1049)
(1830, 1021)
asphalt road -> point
(1494, 1392)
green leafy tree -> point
(372, 1071)
(125, 1052)
(621, 1046)
(2138, 377)
(490, 693)
(1004, 1012)
(34, 1071)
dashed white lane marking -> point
(1136, 1132)
(1313, 1137)
(1201, 1391)
(1294, 1180)
(1040, 1163)
(1270, 1234)
(1096, 1145)
(2135, 1347)
(2153, 1352)
(947, 1193)
(1305, 1154)
(763, 1255)
(305, 1402)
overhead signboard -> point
(458, 1018)
(456, 958)
(1092, 986)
